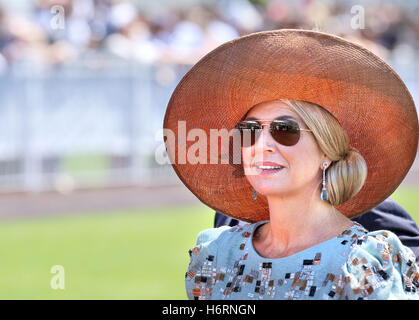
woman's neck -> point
(298, 222)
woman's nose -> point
(264, 141)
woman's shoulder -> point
(216, 237)
(210, 235)
(379, 266)
(384, 246)
(211, 246)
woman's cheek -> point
(246, 158)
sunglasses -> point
(285, 132)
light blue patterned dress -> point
(354, 265)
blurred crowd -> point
(53, 33)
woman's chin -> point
(269, 191)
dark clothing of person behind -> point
(388, 215)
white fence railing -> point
(80, 128)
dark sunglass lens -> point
(286, 132)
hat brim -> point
(363, 92)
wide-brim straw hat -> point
(364, 93)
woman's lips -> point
(268, 171)
(267, 164)
(267, 167)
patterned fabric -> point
(357, 264)
(388, 215)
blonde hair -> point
(348, 171)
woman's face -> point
(301, 162)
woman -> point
(300, 218)
(313, 162)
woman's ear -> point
(325, 163)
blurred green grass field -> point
(139, 254)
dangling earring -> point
(324, 195)
(254, 195)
